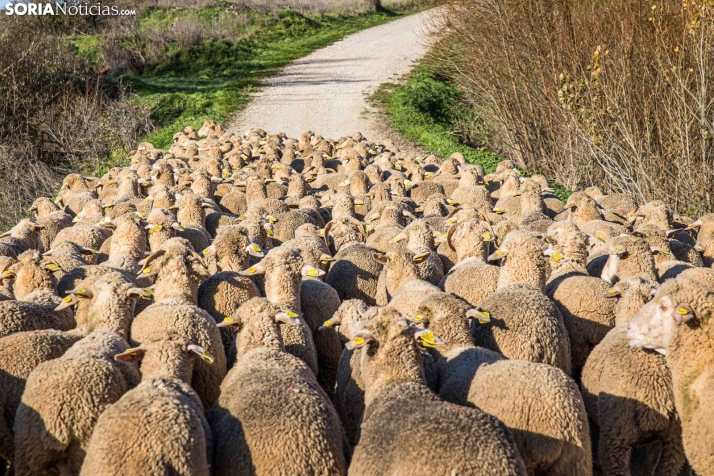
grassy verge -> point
(212, 80)
(429, 110)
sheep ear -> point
(380, 258)
(498, 255)
(67, 301)
(210, 251)
(287, 317)
(131, 355)
(325, 258)
(7, 233)
(592, 241)
(311, 271)
(477, 313)
(201, 352)
(361, 339)
(253, 250)
(136, 293)
(258, 268)
(682, 314)
(428, 339)
(87, 251)
(655, 250)
(671, 233)
(330, 323)
(418, 258)
(229, 321)
(399, 237)
(175, 225)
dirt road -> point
(325, 92)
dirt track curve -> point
(326, 91)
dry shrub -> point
(609, 92)
(316, 6)
(55, 117)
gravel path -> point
(325, 92)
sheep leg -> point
(615, 446)
(673, 458)
(652, 458)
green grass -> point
(213, 79)
(428, 110)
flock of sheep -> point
(260, 305)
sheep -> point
(35, 313)
(178, 269)
(667, 253)
(311, 246)
(22, 352)
(344, 231)
(87, 236)
(525, 325)
(22, 237)
(221, 294)
(588, 313)
(628, 256)
(420, 239)
(355, 274)
(128, 245)
(471, 278)
(32, 275)
(163, 413)
(399, 268)
(68, 256)
(51, 225)
(283, 269)
(400, 411)
(541, 406)
(83, 382)
(628, 393)
(161, 226)
(582, 209)
(705, 238)
(676, 324)
(523, 260)
(6, 279)
(255, 434)
(318, 303)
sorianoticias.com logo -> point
(65, 8)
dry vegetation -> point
(615, 93)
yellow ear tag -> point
(206, 251)
(291, 314)
(451, 220)
(227, 319)
(428, 337)
(147, 270)
(256, 248)
(428, 344)
(272, 220)
(8, 272)
(368, 228)
(328, 323)
(618, 249)
(51, 267)
(486, 315)
(418, 317)
(67, 299)
(313, 272)
(631, 218)
(270, 233)
(682, 311)
(146, 199)
(358, 340)
(81, 291)
(142, 214)
(513, 194)
(599, 239)
(322, 232)
(612, 291)
(407, 183)
(486, 237)
(252, 270)
(485, 182)
(499, 252)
